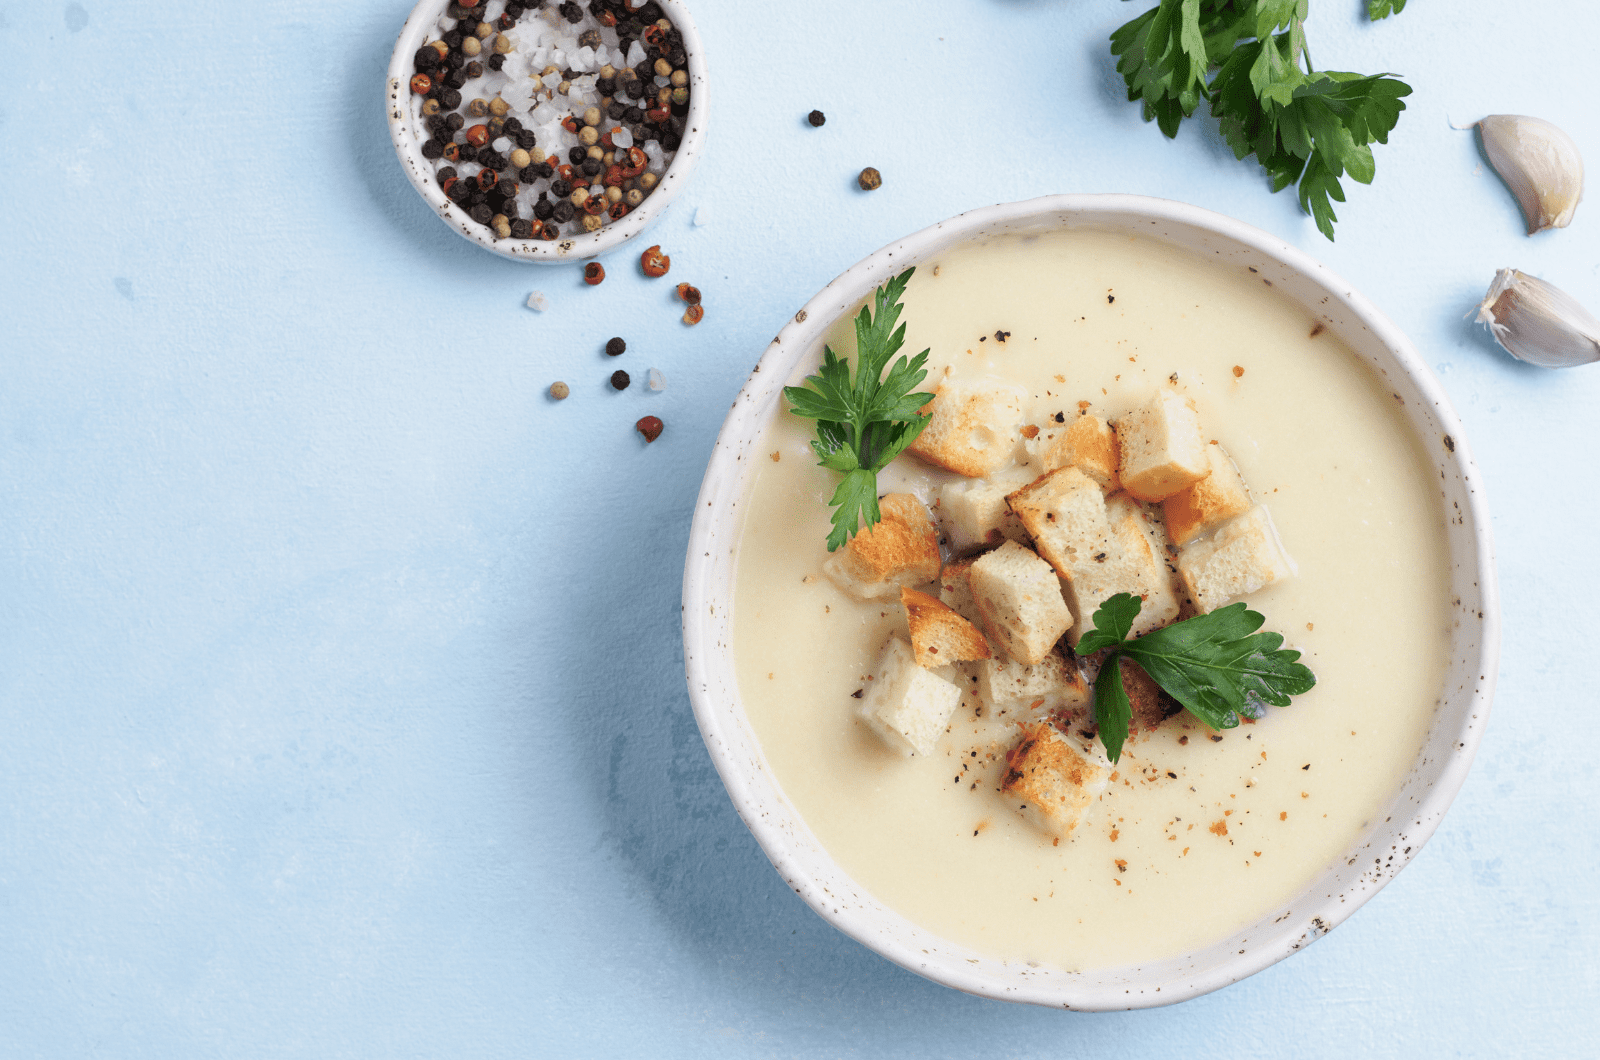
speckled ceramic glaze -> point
(404, 111)
(1417, 805)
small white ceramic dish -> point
(1418, 803)
(406, 131)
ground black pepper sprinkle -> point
(620, 380)
(616, 347)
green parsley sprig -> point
(1215, 664)
(1248, 60)
(866, 421)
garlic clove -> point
(1539, 163)
(1538, 323)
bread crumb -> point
(1238, 371)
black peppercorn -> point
(560, 188)
(615, 110)
(445, 173)
(546, 169)
(577, 154)
(526, 140)
(482, 214)
(633, 115)
(671, 141)
(505, 21)
(633, 89)
(571, 12)
(620, 380)
(454, 122)
(528, 174)
(589, 38)
(465, 153)
(497, 62)
(593, 167)
(606, 86)
(454, 61)
(515, 10)
(432, 149)
(512, 125)
(564, 211)
(616, 347)
(454, 38)
(450, 98)
(426, 59)
(543, 209)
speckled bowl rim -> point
(402, 109)
(1398, 832)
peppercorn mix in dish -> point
(545, 120)
(976, 799)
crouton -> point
(975, 514)
(974, 427)
(1129, 564)
(1243, 556)
(1065, 513)
(955, 591)
(902, 549)
(1054, 683)
(1163, 450)
(1209, 503)
(1019, 599)
(1087, 443)
(1056, 779)
(1150, 704)
(939, 636)
(906, 705)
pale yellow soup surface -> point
(1201, 833)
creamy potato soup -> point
(1200, 833)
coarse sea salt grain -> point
(635, 53)
(622, 138)
(537, 301)
(701, 219)
(657, 380)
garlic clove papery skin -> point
(1539, 163)
(1538, 323)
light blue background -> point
(341, 702)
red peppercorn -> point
(694, 314)
(637, 159)
(654, 263)
(478, 135)
(594, 205)
(658, 114)
(538, 229)
(654, 35)
(570, 123)
(618, 211)
(447, 184)
(593, 273)
(606, 18)
(421, 84)
(565, 172)
(487, 178)
(650, 427)
(452, 152)
(613, 177)
(689, 294)
(549, 232)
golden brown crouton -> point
(902, 549)
(1163, 450)
(1055, 778)
(1019, 597)
(1087, 443)
(974, 427)
(939, 636)
(1209, 503)
(1242, 557)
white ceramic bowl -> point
(406, 131)
(1417, 805)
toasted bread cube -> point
(975, 513)
(1150, 705)
(1065, 513)
(939, 636)
(1209, 503)
(1243, 556)
(955, 591)
(906, 705)
(1054, 683)
(1086, 442)
(1056, 779)
(1130, 565)
(1019, 599)
(1163, 450)
(974, 427)
(902, 549)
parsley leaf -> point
(1248, 60)
(866, 420)
(1217, 665)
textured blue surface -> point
(341, 701)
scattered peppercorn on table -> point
(340, 665)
